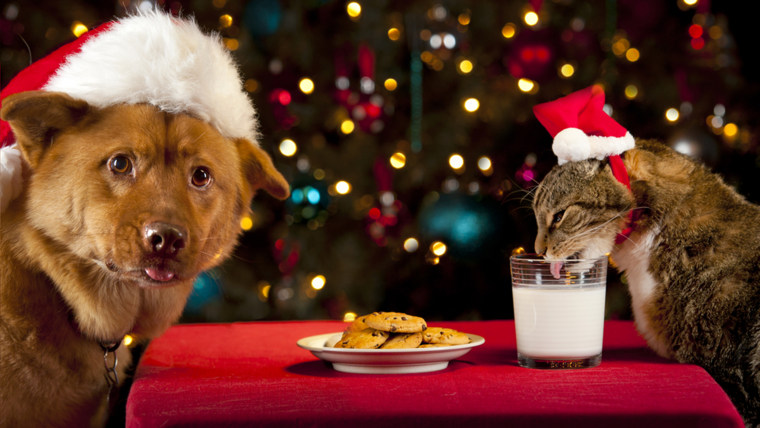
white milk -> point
(559, 323)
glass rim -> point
(537, 258)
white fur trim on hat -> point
(572, 144)
(11, 181)
(164, 61)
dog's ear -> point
(37, 117)
(260, 171)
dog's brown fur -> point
(74, 252)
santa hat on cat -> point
(583, 130)
(152, 58)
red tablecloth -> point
(253, 374)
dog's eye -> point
(201, 177)
(120, 164)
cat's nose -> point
(540, 245)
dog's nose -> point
(164, 239)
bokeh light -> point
(526, 85)
(531, 18)
(318, 282)
(471, 105)
(288, 147)
(78, 28)
(411, 245)
(354, 9)
(465, 66)
(508, 30)
(398, 160)
(306, 85)
(343, 187)
(246, 223)
(438, 248)
(456, 161)
(225, 21)
(484, 163)
(566, 70)
(672, 114)
(347, 126)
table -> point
(253, 374)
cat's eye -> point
(201, 177)
(558, 217)
(120, 164)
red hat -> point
(581, 128)
(151, 58)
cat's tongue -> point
(555, 267)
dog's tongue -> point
(159, 274)
(555, 267)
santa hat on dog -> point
(583, 130)
(151, 58)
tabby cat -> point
(692, 262)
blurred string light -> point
(288, 147)
(318, 282)
(231, 44)
(456, 161)
(263, 289)
(485, 165)
(347, 126)
(530, 18)
(349, 317)
(471, 105)
(508, 30)
(306, 85)
(225, 21)
(246, 223)
(128, 340)
(394, 34)
(696, 32)
(528, 86)
(390, 84)
(438, 248)
(397, 160)
(78, 28)
(354, 10)
(464, 18)
(251, 85)
(566, 70)
(672, 115)
(465, 66)
(342, 187)
(632, 54)
(631, 91)
(411, 245)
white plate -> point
(385, 361)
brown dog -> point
(122, 207)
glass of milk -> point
(559, 311)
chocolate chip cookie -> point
(395, 322)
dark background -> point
(698, 59)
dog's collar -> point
(112, 376)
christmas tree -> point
(406, 132)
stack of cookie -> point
(395, 330)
